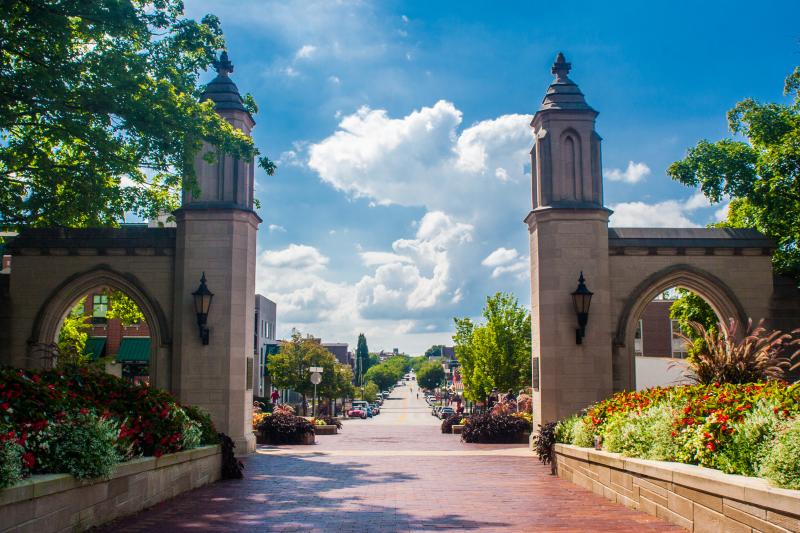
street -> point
(393, 472)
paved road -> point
(395, 472)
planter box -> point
(457, 429)
(690, 496)
(326, 430)
(59, 502)
(308, 438)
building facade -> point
(264, 343)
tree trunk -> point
(305, 406)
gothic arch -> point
(572, 164)
(51, 314)
(705, 284)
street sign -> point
(316, 378)
(317, 369)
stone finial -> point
(224, 65)
(561, 68)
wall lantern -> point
(202, 303)
(581, 300)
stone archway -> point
(51, 314)
(703, 283)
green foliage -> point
(760, 174)
(389, 372)
(95, 93)
(10, 461)
(430, 375)
(289, 368)
(688, 308)
(122, 307)
(732, 427)
(370, 392)
(490, 428)
(362, 358)
(72, 338)
(726, 357)
(782, 464)
(565, 429)
(84, 446)
(434, 351)
(208, 432)
(646, 435)
(750, 441)
(415, 363)
(496, 354)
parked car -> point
(435, 410)
(357, 413)
(385, 393)
(376, 410)
(444, 412)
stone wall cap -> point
(125, 236)
(688, 238)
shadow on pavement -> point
(295, 493)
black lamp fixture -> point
(202, 303)
(581, 300)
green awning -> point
(94, 347)
(134, 349)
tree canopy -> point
(100, 112)
(362, 358)
(760, 174)
(289, 368)
(430, 375)
(497, 353)
(389, 372)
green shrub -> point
(749, 441)
(782, 463)
(10, 462)
(84, 445)
(491, 428)
(647, 434)
(565, 429)
(208, 432)
(583, 434)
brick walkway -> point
(380, 477)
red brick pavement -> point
(391, 478)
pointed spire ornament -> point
(223, 66)
(561, 68)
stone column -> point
(568, 229)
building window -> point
(680, 348)
(99, 308)
(638, 339)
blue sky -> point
(400, 131)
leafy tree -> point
(362, 358)
(72, 337)
(386, 374)
(689, 307)
(99, 109)
(430, 375)
(434, 351)
(369, 393)
(760, 174)
(496, 354)
(415, 363)
(289, 367)
(121, 306)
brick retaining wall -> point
(59, 502)
(696, 498)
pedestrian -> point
(511, 397)
(275, 396)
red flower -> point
(84, 411)
(36, 378)
(4, 406)
(29, 460)
(711, 446)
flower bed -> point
(84, 422)
(496, 429)
(749, 429)
(282, 427)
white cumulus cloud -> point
(501, 256)
(665, 214)
(305, 51)
(635, 173)
(296, 257)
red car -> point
(357, 413)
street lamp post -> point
(316, 379)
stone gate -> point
(159, 268)
(624, 267)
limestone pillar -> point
(568, 229)
(216, 235)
